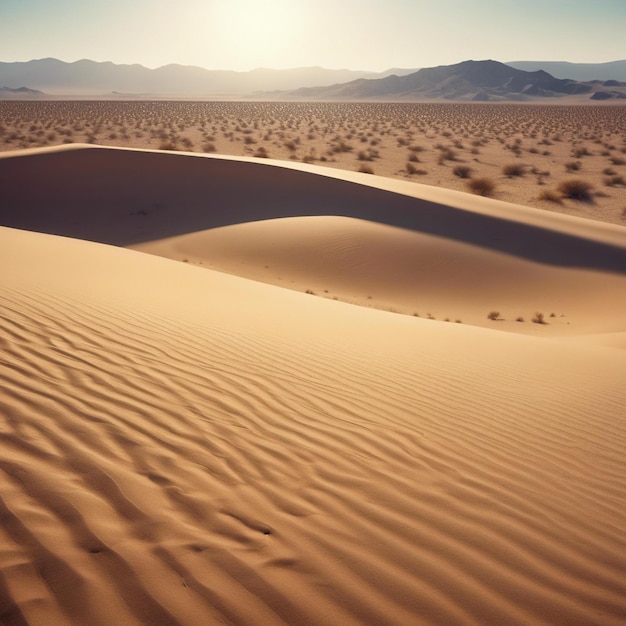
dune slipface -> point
(180, 445)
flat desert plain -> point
(251, 391)
(565, 158)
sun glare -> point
(262, 31)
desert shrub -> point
(261, 153)
(342, 146)
(539, 318)
(576, 189)
(481, 186)
(493, 315)
(573, 166)
(513, 169)
(615, 181)
(411, 170)
(617, 160)
(208, 147)
(462, 171)
(577, 153)
(446, 154)
(413, 157)
(551, 196)
(365, 156)
(365, 169)
(168, 145)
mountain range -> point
(470, 80)
(467, 81)
(92, 78)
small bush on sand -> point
(615, 181)
(539, 318)
(168, 145)
(462, 171)
(572, 166)
(493, 315)
(481, 186)
(411, 170)
(513, 169)
(576, 189)
(261, 153)
(551, 196)
(365, 169)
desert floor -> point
(393, 403)
(525, 151)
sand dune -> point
(181, 445)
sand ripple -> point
(192, 448)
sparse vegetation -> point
(433, 141)
(539, 318)
(481, 186)
(576, 189)
(462, 171)
(551, 196)
(514, 169)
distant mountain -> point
(614, 70)
(467, 81)
(21, 93)
(470, 80)
(90, 78)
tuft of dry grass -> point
(481, 186)
(462, 171)
(551, 196)
(576, 189)
(514, 169)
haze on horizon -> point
(357, 34)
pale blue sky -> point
(355, 34)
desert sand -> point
(229, 395)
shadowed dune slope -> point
(181, 446)
(125, 197)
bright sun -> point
(260, 32)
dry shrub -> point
(168, 145)
(462, 171)
(481, 186)
(513, 169)
(615, 181)
(365, 169)
(576, 189)
(550, 196)
(411, 169)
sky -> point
(370, 35)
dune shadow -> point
(124, 197)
